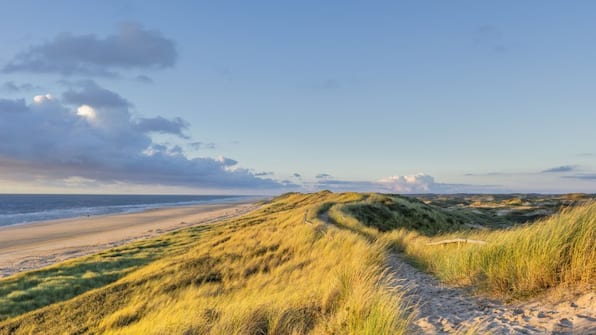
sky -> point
(267, 97)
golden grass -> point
(31, 290)
(516, 263)
(265, 273)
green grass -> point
(265, 273)
(376, 213)
(517, 262)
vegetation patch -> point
(268, 272)
(516, 262)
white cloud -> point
(87, 112)
(417, 183)
(41, 99)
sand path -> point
(35, 245)
(445, 310)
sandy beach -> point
(31, 246)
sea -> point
(26, 208)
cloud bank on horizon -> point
(406, 184)
(90, 133)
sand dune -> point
(32, 246)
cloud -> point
(12, 106)
(158, 124)
(418, 183)
(92, 94)
(563, 168)
(132, 47)
(264, 173)
(11, 86)
(50, 140)
(407, 184)
(225, 161)
(202, 145)
(297, 175)
(323, 176)
(586, 154)
(583, 176)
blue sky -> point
(269, 97)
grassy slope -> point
(31, 290)
(270, 273)
(517, 262)
(265, 273)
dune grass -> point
(268, 272)
(31, 290)
(518, 262)
(284, 269)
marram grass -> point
(268, 272)
(517, 262)
(302, 264)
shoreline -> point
(147, 207)
(30, 246)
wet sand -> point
(35, 245)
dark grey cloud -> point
(297, 175)
(51, 141)
(161, 125)
(323, 176)
(11, 86)
(558, 169)
(89, 93)
(132, 47)
(144, 79)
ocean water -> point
(24, 208)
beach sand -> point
(35, 245)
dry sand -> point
(446, 310)
(35, 245)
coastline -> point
(34, 245)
